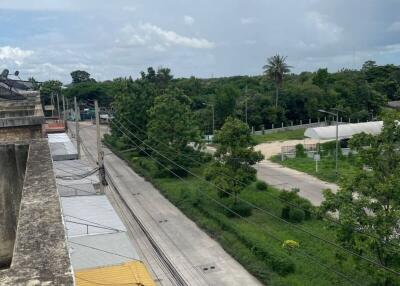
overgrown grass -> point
(326, 167)
(251, 241)
(280, 136)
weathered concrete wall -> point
(12, 170)
(20, 133)
(40, 253)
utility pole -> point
(100, 153)
(337, 136)
(78, 140)
(58, 105)
(64, 115)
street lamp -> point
(337, 134)
(213, 116)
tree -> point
(276, 68)
(79, 76)
(171, 128)
(234, 157)
(369, 201)
(50, 91)
(224, 104)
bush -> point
(296, 215)
(285, 212)
(261, 186)
(240, 208)
(300, 151)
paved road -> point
(285, 178)
(199, 259)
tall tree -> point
(368, 202)
(171, 127)
(79, 76)
(234, 158)
(275, 69)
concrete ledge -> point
(40, 253)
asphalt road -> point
(198, 258)
(285, 178)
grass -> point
(326, 167)
(280, 136)
(251, 241)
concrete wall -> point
(20, 133)
(12, 170)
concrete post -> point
(78, 140)
(100, 153)
(262, 129)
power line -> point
(270, 214)
(240, 216)
(270, 195)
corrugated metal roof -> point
(345, 130)
(131, 273)
(93, 214)
(61, 147)
(92, 251)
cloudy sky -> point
(50, 38)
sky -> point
(48, 39)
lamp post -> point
(337, 135)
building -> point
(33, 248)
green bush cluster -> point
(300, 151)
(239, 208)
(261, 186)
(295, 208)
(279, 262)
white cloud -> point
(129, 9)
(248, 20)
(152, 35)
(394, 27)
(189, 20)
(16, 55)
(328, 31)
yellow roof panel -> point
(130, 273)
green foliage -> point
(170, 129)
(368, 200)
(234, 158)
(279, 136)
(295, 209)
(276, 68)
(261, 186)
(79, 76)
(296, 215)
(300, 151)
(240, 208)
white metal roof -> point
(101, 250)
(61, 147)
(85, 215)
(76, 187)
(345, 130)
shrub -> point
(296, 215)
(261, 186)
(285, 212)
(240, 208)
(300, 151)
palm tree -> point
(275, 68)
